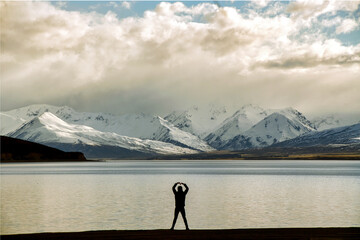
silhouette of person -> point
(180, 203)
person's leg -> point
(175, 218)
(184, 217)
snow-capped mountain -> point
(148, 127)
(13, 119)
(253, 126)
(237, 124)
(336, 136)
(326, 122)
(199, 121)
(296, 117)
(50, 130)
(273, 129)
(334, 121)
(132, 125)
(98, 134)
(9, 123)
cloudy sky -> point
(155, 57)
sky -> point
(156, 57)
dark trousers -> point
(182, 211)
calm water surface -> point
(53, 197)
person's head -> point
(180, 188)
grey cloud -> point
(310, 61)
(164, 61)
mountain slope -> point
(272, 129)
(13, 119)
(14, 150)
(296, 117)
(235, 125)
(9, 123)
(133, 125)
(198, 121)
(148, 127)
(347, 135)
(335, 120)
(50, 130)
(253, 126)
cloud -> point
(310, 9)
(329, 52)
(261, 3)
(126, 5)
(331, 22)
(171, 57)
(347, 26)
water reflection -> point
(137, 195)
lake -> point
(57, 197)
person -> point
(180, 203)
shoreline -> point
(346, 233)
(188, 159)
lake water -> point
(53, 197)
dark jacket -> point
(180, 196)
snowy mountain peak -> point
(49, 128)
(335, 120)
(294, 115)
(26, 113)
(251, 112)
(273, 129)
(143, 126)
(52, 131)
(238, 123)
(199, 121)
(251, 107)
(195, 129)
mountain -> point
(253, 126)
(348, 135)
(296, 117)
(132, 125)
(9, 123)
(50, 130)
(15, 150)
(148, 127)
(199, 121)
(138, 135)
(334, 121)
(235, 125)
(13, 119)
(273, 129)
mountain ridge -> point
(139, 134)
(16, 150)
(48, 129)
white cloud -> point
(347, 25)
(166, 59)
(126, 5)
(310, 9)
(61, 4)
(331, 22)
(261, 3)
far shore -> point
(276, 154)
(179, 158)
(230, 234)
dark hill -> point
(16, 150)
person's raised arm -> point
(186, 188)
(173, 188)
